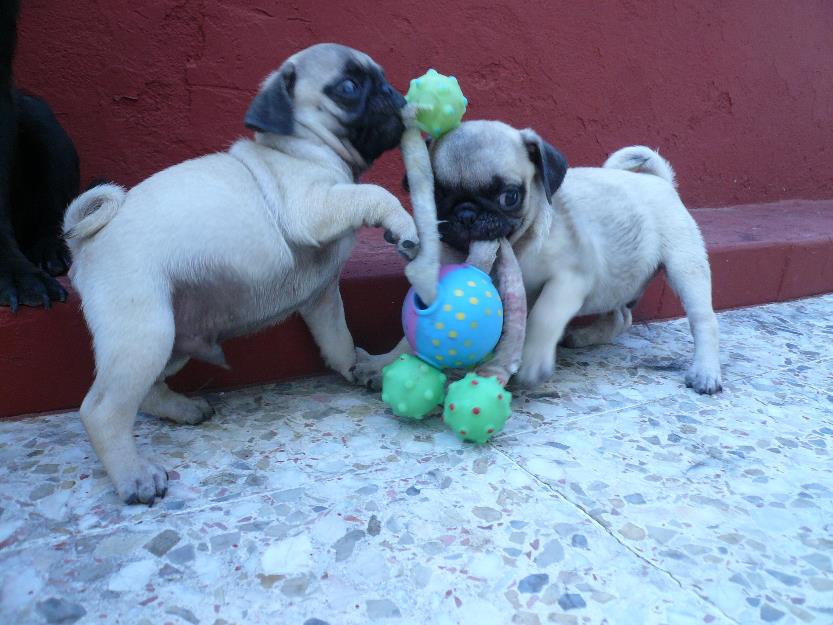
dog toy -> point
(463, 324)
(476, 407)
(411, 387)
(453, 316)
(506, 358)
(439, 102)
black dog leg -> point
(20, 281)
(46, 173)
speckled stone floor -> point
(614, 495)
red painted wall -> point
(738, 94)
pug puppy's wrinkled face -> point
(492, 181)
(369, 108)
(337, 93)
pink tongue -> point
(507, 356)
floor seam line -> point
(548, 487)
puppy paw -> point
(142, 484)
(577, 338)
(704, 381)
(491, 370)
(401, 231)
(407, 245)
(534, 372)
(193, 410)
(188, 410)
(164, 403)
(51, 255)
(367, 371)
(23, 283)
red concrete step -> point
(759, 253)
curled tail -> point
(90, 212)
(642, 160)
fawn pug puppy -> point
(588, 240)
(228, 243)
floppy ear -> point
(271, 110)
(550, 163)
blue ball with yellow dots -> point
(462, 326)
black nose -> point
(394, 96)
(466, 213)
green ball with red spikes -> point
(476, 408)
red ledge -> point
(759, 253)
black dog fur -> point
(39, 176)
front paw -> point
(142, 483)
(50, 254)
(402, 232)
(535, 371)
(367, 371)
(501, 373)
(23, 283)
(704, 380)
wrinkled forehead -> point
(329, 60)
(472, 155)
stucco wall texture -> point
(738, 95)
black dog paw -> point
(51, 255)
(27, 285)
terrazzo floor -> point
(614, 495)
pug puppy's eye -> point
(510, 198)
(348, 88)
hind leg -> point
(325, 319)
(687, 268)
(162, 402)
(131, 350)
(602, 330)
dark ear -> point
(271, 110)
(550, 163)
(405, 184)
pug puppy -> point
(588, 240)
(228, 243)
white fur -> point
(639, 159)
(208, 249)
(611, 229)
(591, 252)
(84, 218)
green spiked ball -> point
(412, 388)
(476, 408)
(440, 102)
